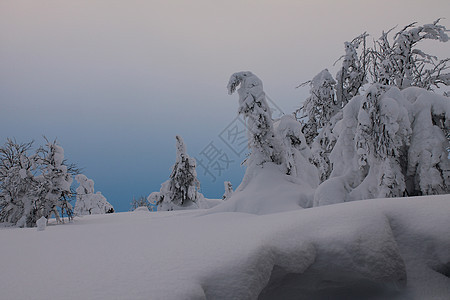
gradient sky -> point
(115, 81)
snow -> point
(269, 190)
(41, 224)
(395, 248)
(141, 208)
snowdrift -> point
(385, 248)
(268, 190)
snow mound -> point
(269, 190)
(41, 224)
(142, 208)
(209, 203)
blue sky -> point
(115, 81)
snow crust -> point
(395, 248)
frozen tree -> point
(320, 106)
(228, 190)
(321, 112)
(253, 106)
(391, 143)
(352, 74)
(293, 143)
(381, 140)
(322, 146)
(398, 63)
(55, 181)
(297, 156)
(34, 186)
(18, 186)
(181, 190)
(428, 167)
(88, 202)
(403, 65)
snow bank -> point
(385, 248)
(269, 190)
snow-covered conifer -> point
(297, 157)
(181, 190)
(323, 145)
(428, 167)
(320, 106)
(321, 112)
(352, 74)
(391, 143)
(381, 141)
(88, 202)
(293, 143)
(253, 106)
(403, 65)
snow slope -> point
(378, 249)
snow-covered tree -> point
(293, 143)
(34, 186)
(253, 106)
(18, 187)
(88, 202)
(391, 143)
(181, 190)
(402, 64)
(320, 106)
(381, 141)
(228, 190)
(428, 167)
(320, 113)
(352, 74)
(297, 157)
(55, 181)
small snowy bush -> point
(88, 202)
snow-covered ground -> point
(374, 249)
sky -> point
(115, 81)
